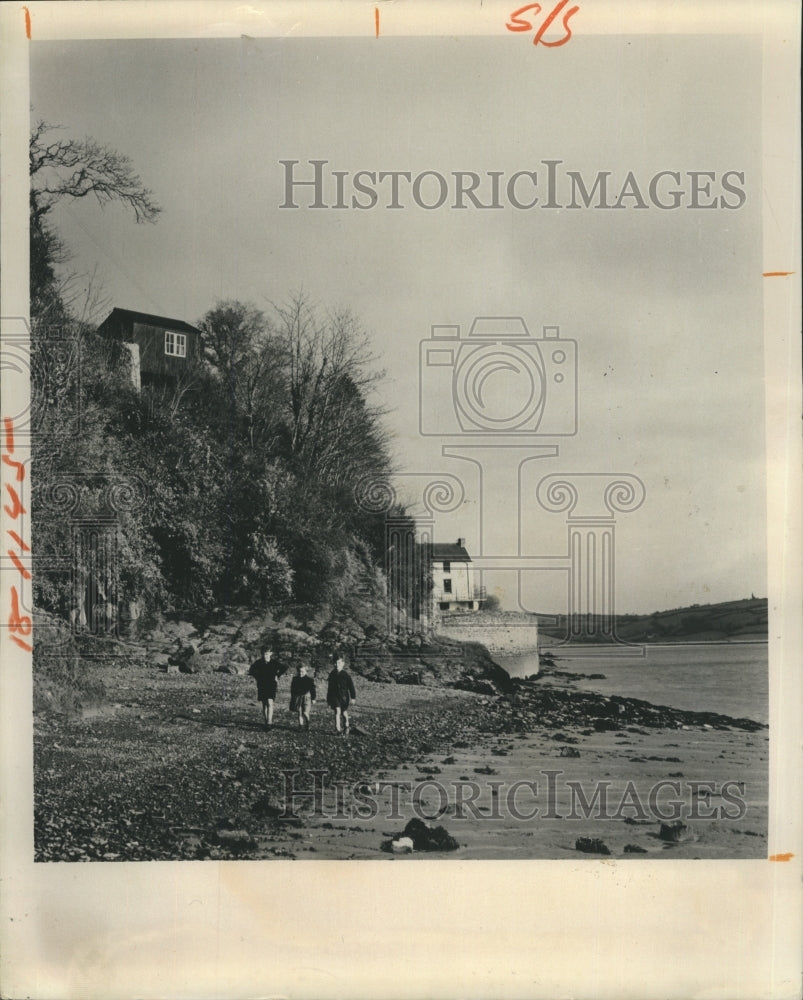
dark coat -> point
(301, 686)
(340, 689)
(267, 673)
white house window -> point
(447, 586)
(175, 344)
(447, 566)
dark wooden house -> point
(163, 350)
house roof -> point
(451, 551)
(148, 319)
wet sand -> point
(492, 817)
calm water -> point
(731, 678)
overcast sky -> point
(665, 306)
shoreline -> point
(651, 644)
(116, 786)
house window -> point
(447, 586)
(176, 344)
(444, 605)
(447, 566)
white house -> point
(453, 586)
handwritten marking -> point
(26, 575)
(18, 624)
(17, 466)
(376, 21)
(781, 857)
(27, 23)
(16, 507)
(776, 274)
(519, 23)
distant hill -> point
(731, 621)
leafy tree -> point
(238, 346)
(251, 463)
(77, 393)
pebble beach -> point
(180, 767)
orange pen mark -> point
(16, 507)
(26, 575)
(18, 467)
(376, 21)
(21, 642)
(781, 857)
(776, 274)
(539, 35)
(19, 541)
(8, 423)
(517, 22)
(16, 621)
(27, 23)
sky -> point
(664, 306)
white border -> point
(532, 929)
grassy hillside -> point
(728, 621)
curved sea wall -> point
(501, 634)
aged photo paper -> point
(401, 499)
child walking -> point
(340, 693)
(302, 696)
(266, 671)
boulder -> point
(676, 832)
(182, 652)
(213, 646)
(187, 659)
(605, 725)
(407, 677)
(341, 633)
(290, 643)
(233, 667)
(237, 841)
(591, 845)
(181, 630)
(429, 838)
(470, 683)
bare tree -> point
(333, 424)
(69, 169)
(75, 168)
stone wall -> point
(500, 633)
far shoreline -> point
(649, 642)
